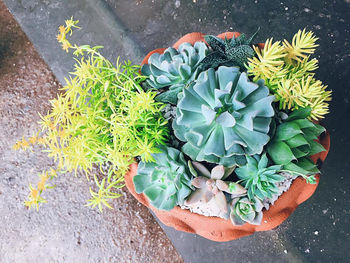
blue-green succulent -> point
(259, 178)
(222, 116)
(174, 69)
(244, 210)
(167, 181)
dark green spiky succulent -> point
(222, 116)
(234, 52)
(244, 211)
(259, 178)
(293, 143)
(174, 69)
(167, 181)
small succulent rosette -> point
(243, 121)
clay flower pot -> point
(218, 229)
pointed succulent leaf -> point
(250, 40)
(191, 168)
(170, 96)
(286, 131)
(315, 148)
(228, 171)
(196, 196)
(213, 60)
(297, 169)
(280, 152)
(263, 162)
(223, 186)
(199, 182)
(217, 44)
(319, 129)
(217, 172)
(221, 202)
(235, 189)
(297, 141)
(201, 169)
(301, 113)
(208, 196)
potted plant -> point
(217, 135)
(245, 125)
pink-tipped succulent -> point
(211, 185)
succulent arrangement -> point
(221, 127)
(243, 120)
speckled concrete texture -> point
(63, 230)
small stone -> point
(285, 251)
(316, 233)
(307, 250)
(177, 4)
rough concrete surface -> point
(63, 230)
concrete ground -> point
(63, 230)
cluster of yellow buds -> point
(34, 197)
(64, 31)
(25, 144)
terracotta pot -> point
(218, 229)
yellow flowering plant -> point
(103, 118)
(289, 73)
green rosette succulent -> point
(167, 181)
(174, 69)
(223, 116)
(259, 178)
(294, 141)
(244, 211)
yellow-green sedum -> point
(103, 118)
(288, 71)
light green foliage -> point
(222, 116)
(103, 118)
(174, 69)
(294, 142)
(289, 73)
(234, 52)
(105, 192)
(167, 181)
(244, 211)
(259, 178)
